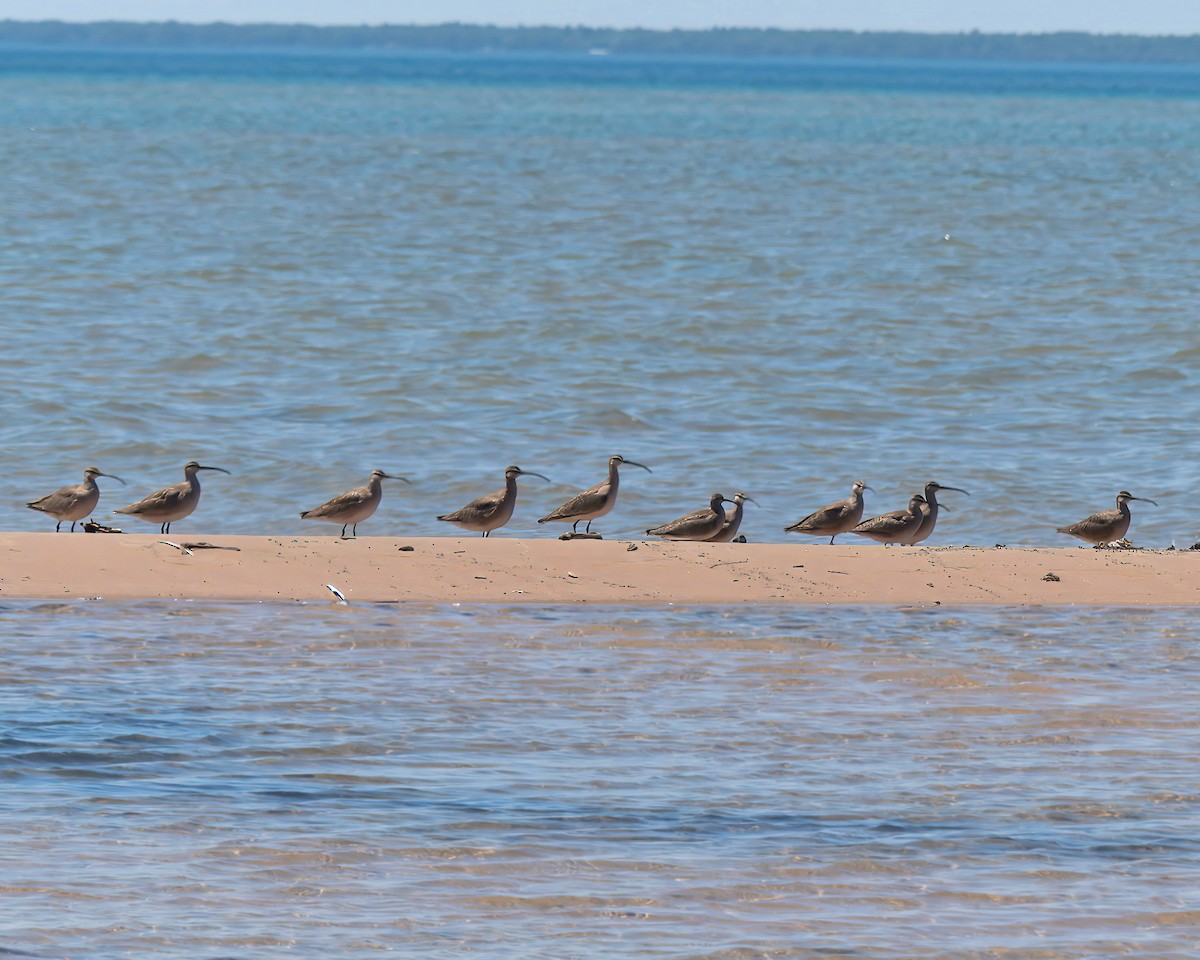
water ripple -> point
(486, 766)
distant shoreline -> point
(1064, 47)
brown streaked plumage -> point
(354, 506)
(74, 502)
(700, 525)
(171, 503)
(594, 502)
(929, 512)
(732, 521)
(493, 510)
(834, 518)
(1108, 525)
(895, 527)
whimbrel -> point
(734, 521)
(492, 510)
(700, 525)
(895, 527)
(171, 503)
(929, 512)
(593, 502)
(835, 518)
(1108, 525)
(352, 507)
(75, 502)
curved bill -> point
(749, 499)
(1145, 500)
(634, 463)
(955, 489)
(392, 476)
(111, 476)
(530, 473)
(220, 469)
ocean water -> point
(768, 277)
(192, 780)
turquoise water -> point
(767, 277)
(199, 779)
(770, 278)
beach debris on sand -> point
(187, 547)
(92, 527)
(341, 597)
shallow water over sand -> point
(193, 779)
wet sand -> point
(498, 570)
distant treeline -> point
(729, 42)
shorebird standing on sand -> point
(834, 518)
(594, 502)
(492, 510)
(929, 512)
(171, 503)
(75, 502)
(354, 506)
(732, 523)
(1107, 526)
(899, 526)
(700, 525)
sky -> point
(1006, 16)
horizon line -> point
(612, 29)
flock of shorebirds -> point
(713, 523)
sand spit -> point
(497, 570)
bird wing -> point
(488, 503)
(818, 518)
(1096, 520)
(61, 499)
(698, 516)
(483, 506)
(590, 499)
(158, 500)
(343, 501)
(885, 521)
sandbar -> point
(550, 571)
